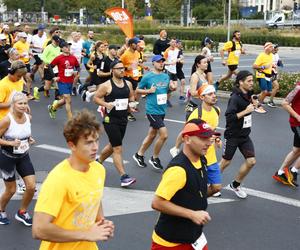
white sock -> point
(89, 95)
(280, 172)
(294, 170)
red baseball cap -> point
(198, 128)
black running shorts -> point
(115, 133)
(232, 67)
(245, 146)
(156, 121)
(9, 165)
(48, 73)
(296, 131)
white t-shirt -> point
(76, 49)
(172, 55)
(38, 41)
(29, 38)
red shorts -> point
(179, 247)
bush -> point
(286, 82)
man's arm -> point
(44, 229)
(102, 91)
(286, 104)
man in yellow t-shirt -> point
(68, 213)
(234, 49)
(210, 114)
(11, 83)
(263, 66)
(181, 196)
(23, 47)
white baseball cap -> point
(5, 26)
(17, 24)
(22, 34)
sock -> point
(21, 211)
(280, 172)
(41, 89)
(235, 184)
(294, 170)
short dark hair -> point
(83, 124)
(241, 76)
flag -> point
(123, 19)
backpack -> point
(233, 48)
(200, 111)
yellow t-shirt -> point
(233, 56)
(7, 88)
(212, 118)
(266, 60)
(23, 49)
(73, 198)
(130, 59)
(172, 181)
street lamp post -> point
(228, 21)
(123, 4)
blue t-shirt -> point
(156, 103)
(87, 44)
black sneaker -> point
(271, 104)
(155, 162)
(126, 180)
(83, 95)
(139, 160)
(24, 218)
(131, 118)
(294, 174)
(74, 91)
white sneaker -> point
(217, 194)
(89, 95)
(174, 151)
(238, 191)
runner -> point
(11, 83)
(115, 95)
(161, 44)
(275, 85)
(171, 56)
(208, 112)
(9, 38)
(263, 66)
(15, 133)
(24, 51)
(156, 85)
(179, 72)
(86, 52)
(238, 127)
(3, 48)
(234, 49)
(5, 65)
(181, 196)
(68, 213)
(49, 53)
(130, 59)
(287, 174)
(68, 68)
(206, 51)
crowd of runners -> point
(40, 64)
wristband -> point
(262, 67)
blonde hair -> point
(16, 96)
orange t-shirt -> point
(131, 59)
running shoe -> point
(3, 219)
(174, 151)
(260, 110)
(126, 180)
(238, 191)
(79, 89)
(271, 104)
(294, 174)
(217, 194)
(74, 91)
(169, 104)
(89, 95)
(24, 217)
(83, 95)
(139, 159)
(131, 118)
(281, 178)
(288, 175)
(36, 93)
(155, 162)
(181, 99)
(52, 112)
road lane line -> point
(68, 151)
(182, 122)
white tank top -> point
(16, 130)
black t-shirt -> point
(179, 65)
(4, 68)
(106, 69)
(3, 52)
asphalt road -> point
(269, 219)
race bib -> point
(200, 243)
(161, 99)
(135, 72)
(247, 121)
(121, 104)
(102, 65)
(69, 72)
(55, 70)
(237, 53)
(23, 148)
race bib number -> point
(162, 99)
(200, 243)
(237, 53)
(121, 104)
(23, 148)
(69, 72)
(135, 72)
(247, 121)
(55, 70)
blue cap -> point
(157, 58)
(133, 40)
(41, 27)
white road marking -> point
(67, 151)
(182, 122)
(271, 197)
